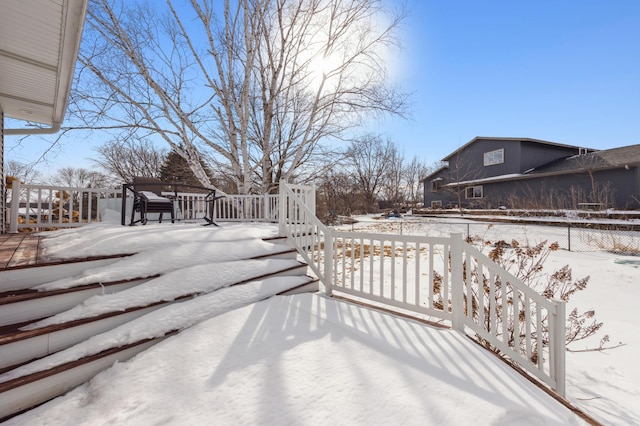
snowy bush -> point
(526, 263)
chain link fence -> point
(577, 237)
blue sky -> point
(565, 70)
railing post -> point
(266, 214)
(123, 207)
(15, 205)
(457, 281)
(328, 261)
(559, 343)
(312, 199)
(282, 208)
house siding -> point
(2, 179)
(519, 157)
(468, 164)
(563, 191)
(445, 196)
(533, 155)
(554, 186)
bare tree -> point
(393, 189)
(79, 178)
(369, 158)
(21, 171)
(123, 160)
(256, 85)
(339, 195)
(414, 171)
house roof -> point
(430, 176)
(39, 43)
(600, 160)
(539, 141)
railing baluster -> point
(527, 323)
(417, 273)
(516, 320)
(371, 266)
(393, 270)
(504, 311)
(492, 302)
(404, 271)
(431, 278)
(481, 296)
(381, 268)
(539, 337)
(362, 264)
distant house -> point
(490, 172)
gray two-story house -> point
(491, 172)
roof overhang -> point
(39, 44)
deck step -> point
(28, 391)
(28, 305)
(17, 306)
(20, 346)
(311, 286)
(21, 306)
(21, 278)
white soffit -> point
(39, 42)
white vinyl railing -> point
(407, 272)
(298, 221)
(508, 316)
(230, 208)
(40, 207)
(44, 207)
(445, 278)
(247, 208)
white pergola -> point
(39, 42)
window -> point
(474, 192)
(436, 184)
(494, 157)
(436, 204)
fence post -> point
(457, 281)
(328, 260)
(569, 236)
(558, 351)
(15, 205)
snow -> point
(177, 316)
(193, 280)
(308, 359)
(168, 258)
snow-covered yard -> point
(606, 384)
(307, 359)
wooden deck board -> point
(20, 250)
(25, 250)
(26, 254)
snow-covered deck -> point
(241, 359)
